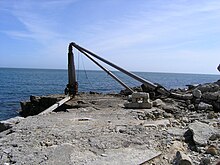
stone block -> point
(138, 105)
(142, 96)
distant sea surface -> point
(18, 84)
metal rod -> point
(107, 71)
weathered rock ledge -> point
(96, 129)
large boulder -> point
(212, 96)
(208, 87)
(201, 132)
(197, 93)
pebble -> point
(205, 161)
(167, 115)
(214, 137)
(7, 151)
(212, 150)
(14, 145)
(212, 115)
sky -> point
(175, 36)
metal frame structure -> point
(72, 86)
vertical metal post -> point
(72, 86)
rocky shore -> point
(92, 128)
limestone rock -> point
(182, 159)
(209, 87)
(211, 95)
(212, 115)
(187, 96)
(169, 108)
(215, 137)
(158, 102)
(176, 131)
(212, 150)
(204, 106)
(205, 161)
(201, 132)
(197, 93)
(177, 153)
(7, 124)
(191, 107)
(157, 123)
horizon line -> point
(110, 70)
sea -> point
(18, 85)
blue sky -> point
(138, 35)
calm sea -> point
(18, 84)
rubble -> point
(94, 128)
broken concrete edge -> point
(9, 123)
(38, 104)
(56, 105)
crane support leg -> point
(72, 86)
